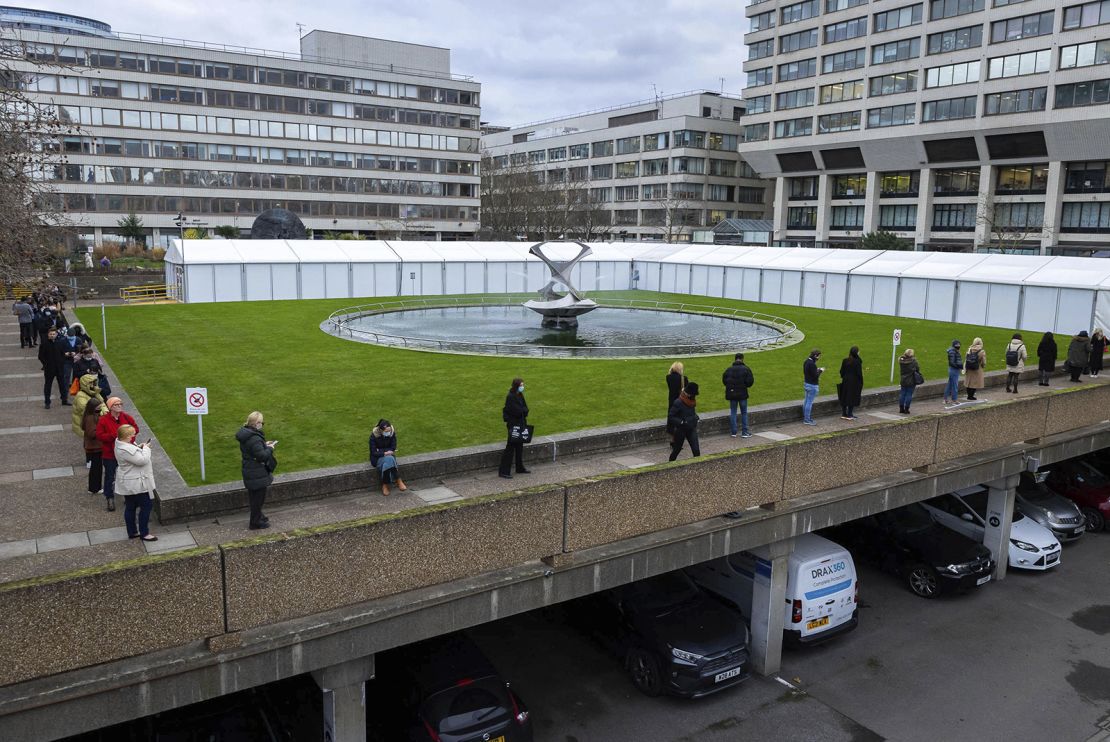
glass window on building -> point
(842, 61)
(629, 169)
(688, 138)
(628, 145)
(693, 165)
(1015, 65)
(898, 217)
(1086, 15)
(1085, 55)
(1022, 179)
(1090, 93)
(897, 82)
(579, 151)
(1020, 216)
(800, 11)
(1087, 177)
(655, 167)
(1022, 27)
(833, 122)
(756, 132)
(846, 217)
(955, 40)
(794, 99)
(896, 51)
(653, 142)
(899, 184)
(801, 217)
(889, 20)
(802, 188)
(954, 217)
(950, 8)
(902, 115)
(956, 182)
(850, 185)
(948, 109)
(1015, 101)
(1091, 218)
(841, 91)
(602, 149)
(799, 127)
(601, 172)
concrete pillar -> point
(985, 201)
(344, 689)
(769, 608)
(824, 207)
(1053, 205)
(871, 204)
(924, 229)
(1000, 515)
(779, 209)
(98, 235)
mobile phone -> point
(147, 442)
(273, 443)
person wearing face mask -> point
(515, 415)
(258, 466)
(107, 430)
(383, 455)
(811, 374)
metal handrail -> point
(338, 321)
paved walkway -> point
(50, 523)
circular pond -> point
(607, 332)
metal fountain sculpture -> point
(560, 311)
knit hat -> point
(691, 389)
(383, 424)
(112, 400)
(955, 343)
(1082, 333)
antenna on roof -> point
(300, 31)
(658, 103)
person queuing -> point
(52, 358)
(135, 481)
(676, 381)
(383, 455)
(259, 464)
(94, 461)
(71, 346)
(955, 368)
(1098, 346)
(850, 390)
(910, 378)
(1079, 354)
(25, 313)
(107, 430)
(515, 415)
(738, 379)
(811, 375)
(88, 393)
(974, 363)
(1015, 362)
(1046, 357)
(683, 418)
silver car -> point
(1055, 512)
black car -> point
(443, 690)
(672, 637)
(908, 542)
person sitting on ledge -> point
(383, 455)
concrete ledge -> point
(1068, 410)
(61, 622)
(630, 503)
(990, 425)
(282, 576)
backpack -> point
(1013, 356)
(972, 361)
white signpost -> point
(196, 403)
(894, 352)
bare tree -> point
(1010, 226)
(31, 131)
(509, 191)
(678, 216)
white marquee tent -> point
(1061, 294)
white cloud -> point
(535, 60)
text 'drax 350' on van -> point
(822, 591)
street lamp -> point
(179, 220)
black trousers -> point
(512, 449)
(680, 436)
(49, 377)
(257, 500)
(26, 335)
(96, 471)
(1012, 380)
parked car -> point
(822, 593)
(907, 541)
(1055, 512)
(1087, 486)
(671, 636)
(443, 690)
(1032, 546)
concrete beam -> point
(344, 689)
(1000, 517)
(768, 617)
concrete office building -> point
(353, 134)
(953, 123)
(656, 169)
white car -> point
(1032, 546)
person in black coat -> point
(258, 466)
(738, 378)
(1046, 357)
(52, 357)
(851, 383)
(515, 415)
(1098, 346)
(683, 418)
(383, 455)
(676, 380)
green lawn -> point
(322, 395)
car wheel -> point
(923, 580)
(1096, 521)
(643, 668)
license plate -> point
(983, 580)
(728, 674)
(817, 622)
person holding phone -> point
(259, 464)
(515, 415)
(811, 374)
(383, 455)
(135, 481)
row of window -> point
(216, 98)
(242, 73)
(172, 150)
(637, 168)
(251, 207)
(1012, 180)
(631, 145)
(1074, 217)
(175, 177)
(187, 122)
(682, 191)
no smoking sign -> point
(196, 400)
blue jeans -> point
(807, 403)
(143, 503)
(952, 391)
(110, 466)
(387, 470)
(905, 396)
(743, 405)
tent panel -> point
(860, 293)
(454, 278)
(699, 280)
(1039, 309)
(772, 287)
(814, 293)
(836, 291)
(337, 280)
(939, 304)
(283, 278)
(971, 306)
(885, 297)
(753, 284)
(362, 279)
(200, 283)
(474, 279)
(228, 281)
(716, 281)
(791, 288)
(911, 303)
(1002, 309)
(497, 276)
(734, 283)
(312, 281)
(259, 287)
(1075, 311)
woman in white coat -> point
(135, 481)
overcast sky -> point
(536, 59)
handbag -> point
(521, 433)
(918, 378)
(74, 387)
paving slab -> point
(631, 462)
(169, 542)
(10, 549)
(28, 398)
(63, 541)
(772, 435)
(57, 471)
(884, 415)
(65, 560)
(20, 376)
(15, 476)
(32, 508)
(107, 535)
(436, 494)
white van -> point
(821, 587)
